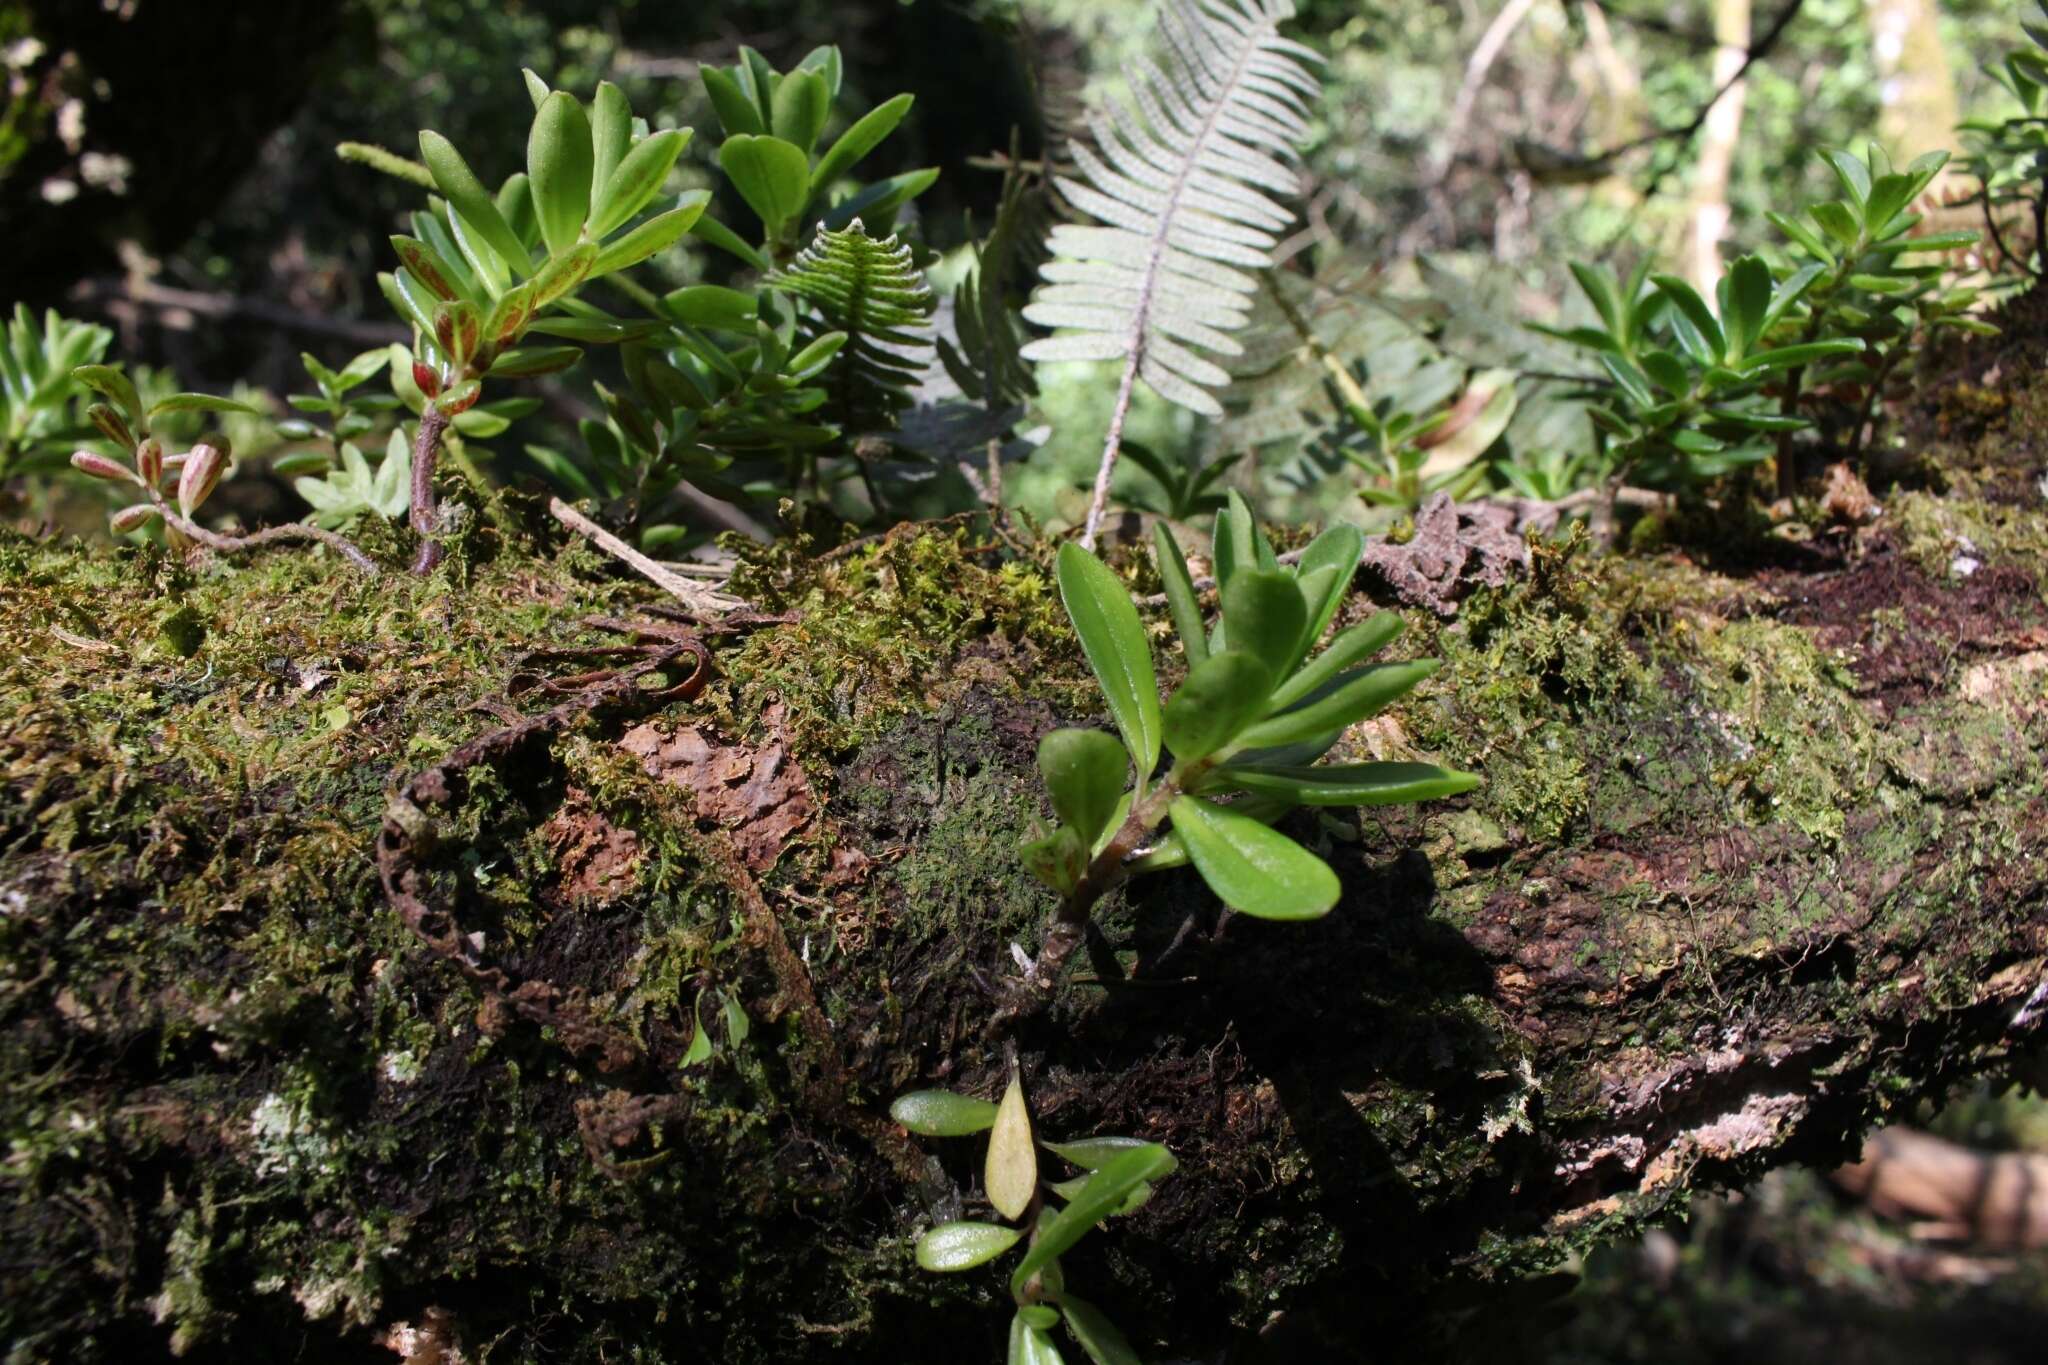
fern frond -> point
(1183, 189)
(873, 292)
(987, 361)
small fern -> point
(1182, 191)
(873, 292)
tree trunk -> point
(1916, 94)
(1719, 136)
(1759, 858)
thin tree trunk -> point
(1718, 140)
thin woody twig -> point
(698, 598)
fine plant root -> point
(828, 1086)
(408, 835)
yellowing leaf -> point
(1011, 1172)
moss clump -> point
(877, 633)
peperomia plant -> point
(1852, 250)
(1115, 1176)
(482, 270)
(1688, 400)
(2009, 156)
(38, 392)
(1244, 731)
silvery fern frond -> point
(1183, 191)
(873, 292)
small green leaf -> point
(1344, 701)
(466, 196)
(857, 141)
(941, 1113)
(657, 234)
(1092, 1154)
(1113, 639)
(1098, 1336)
(1352, 784)
(1251, 867)
(1749, 298)
(799, 108)
(699, 1050)
(197, 402)
(1100, 1198)
(951, 1247)
(559, 162)
(1353, 645)
(1180, 594)
(773, 176)
(1037, 1315)
(1854, 175)
(1220, 697)
(1786, 357)
(611, 134)
(713, 306)
(1694, 309)
(1084, 771)
(532, 361)
(109, 382)
(1010, 1174)
(636, 181)
(1263, 614)
(736, 113)
(1339, 548)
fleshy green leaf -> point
(1344, 701)
(710, 305)
(657, 234)
(467, 196)
(857, 141)
(1263, 614)
(559, 163)
(1084, 771)
(799, 108)
(1180, 594)
(1353, 645)
(1251, 867)
(1098, 1336)
(611, 135)
(736, 113)
(1220, 696)
(953, 1247)
(637, 180)
(111, 383)
(196, 402)
(941, 1113)
(1092, 1154)
(1101, 1197)
(1352, 784)
(1113, 638)
(773, 176)
(1010, 1174)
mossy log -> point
(1759, 857)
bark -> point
(1759, 859)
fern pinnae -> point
(1180, 190)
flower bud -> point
(100, 467)
(149, 461)
(201, 473)
(132, 518)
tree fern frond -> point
(1181, 184)
(872, 291)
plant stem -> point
(426, 447)
(1104, 873)
(291, 530)
(1110, 447)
